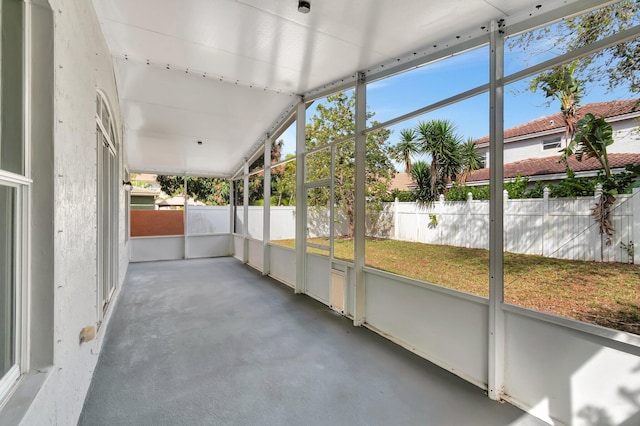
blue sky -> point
(417, 88)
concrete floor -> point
(211, 341)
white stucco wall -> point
(82, 64)
(626, 136)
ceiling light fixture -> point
(304, 7)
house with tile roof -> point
(143, 198)
(402, 181)
(533, 149)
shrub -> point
(403, 196)
(459, 192)
(517, 187)
(536, 192)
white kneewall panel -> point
(83, 65)
(447, 329)
(208, 246)
(149, 249)
(238, 247)
(560, 374)
(318, 269)
(283, 264)
(256, 254)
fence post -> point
(596, 195)
(438, 211)
(545, 216)
(396, 219)
(635, 220)
(469, 225)
(416, 206)
(505, 222)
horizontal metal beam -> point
(346, 83)
(432, 107)
(581, 52)
(256, 149)
(330, 144)
(283, 162)
(568, 10)
(317, 183)
(318, 246)
(421, 59)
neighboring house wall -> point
(83, 65)
(626, 136)
(143, 202)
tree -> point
(439, 140)
(618, 64)
(470, 160)
(211, 191)
(283, 183)
(592, 137)
(591, 140)
(406, 148)
(560, 83)
(335, 120)
(421, 174)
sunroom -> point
(296, 109)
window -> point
(551, 143)
(14, 186)
(108, 195)
(7, 279)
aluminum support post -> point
(266, 213)
(245, 214)
(185, 218)
(232, 216)
(635, 208)
(496, 222)
(301, 199)
(360, 200)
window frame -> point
(551, 143)
(106, 168)
(21, 182)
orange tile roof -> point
(402, 182)
(550, 165)
(555, 121)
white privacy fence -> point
(554, 227)
(202, 220)
(282, 222)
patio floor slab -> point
(211, 341)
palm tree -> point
(450, 164)
(421, 174)
(592, 137)
(470, 158)
(591, 140)
(406, 148)
(438, 139)
(560, 83)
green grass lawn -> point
(606, 294)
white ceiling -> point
(225, 71)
